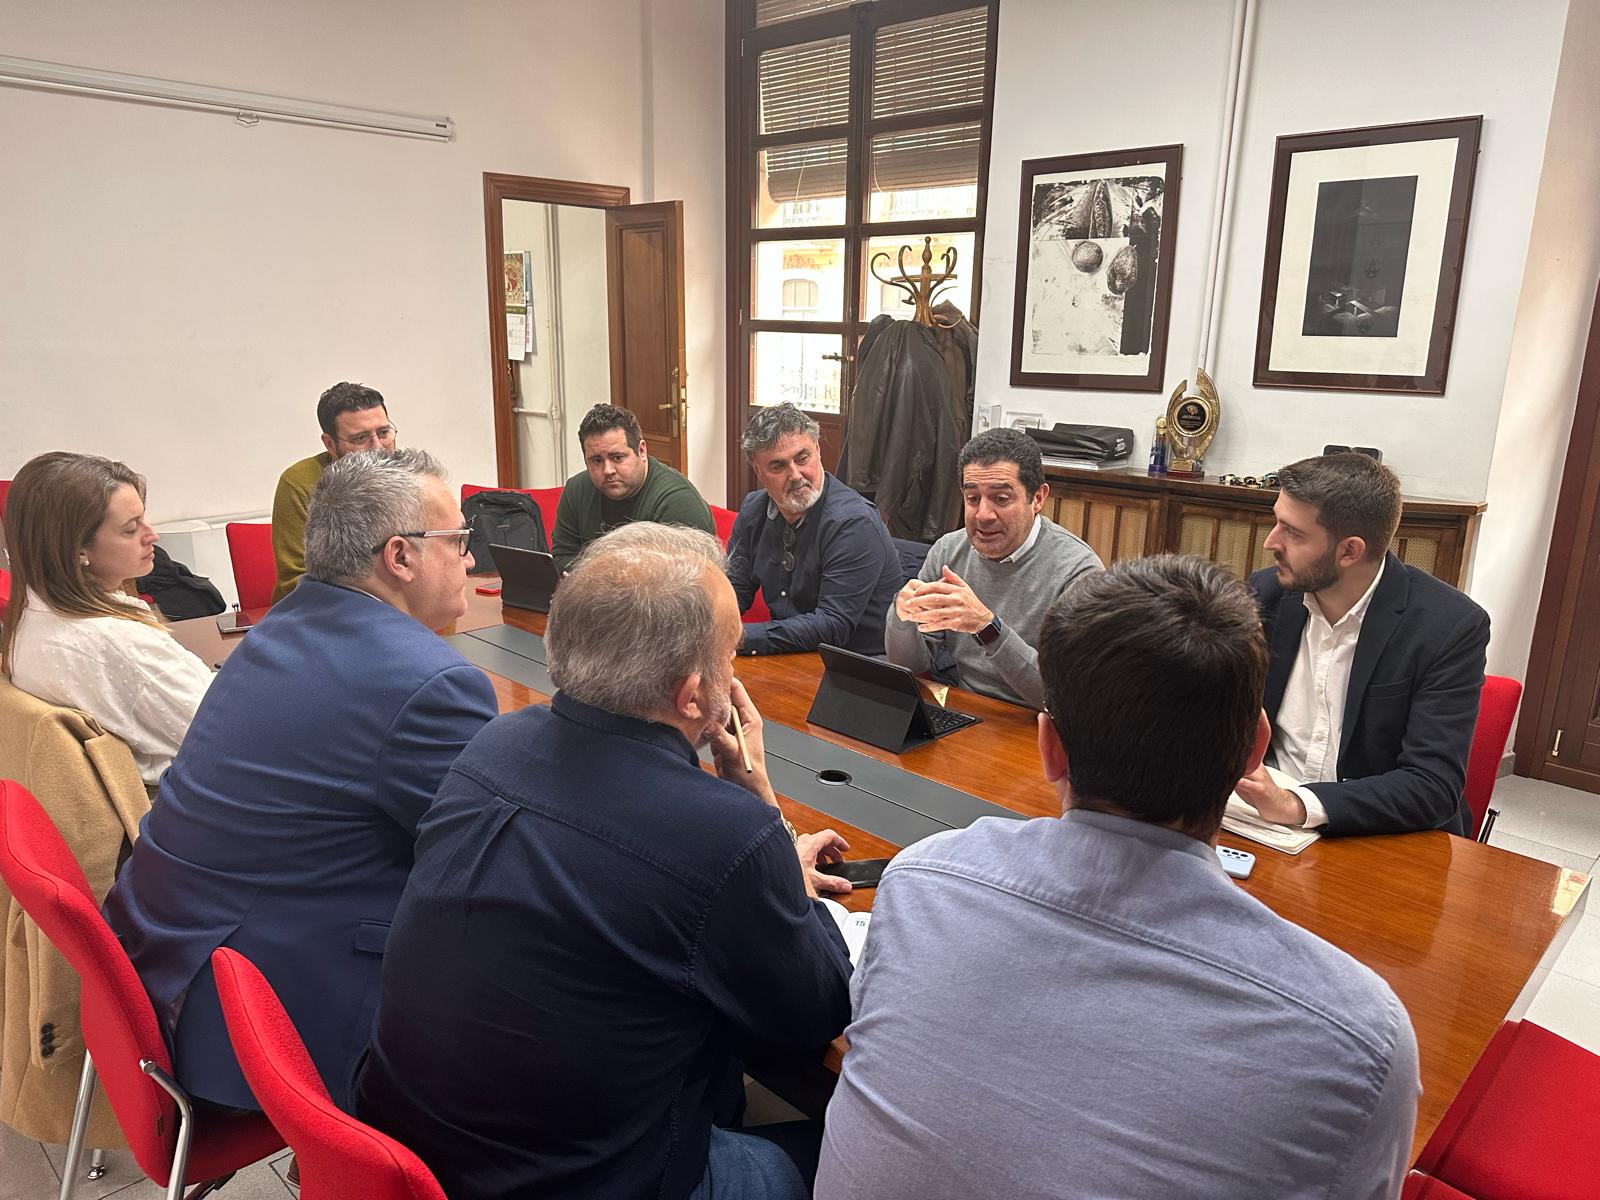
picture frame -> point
(1095, 242)
(1366, 234)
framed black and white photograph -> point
(1365, 237)
(1094, 269)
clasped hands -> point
(811, 848)
(934, 606)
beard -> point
(797, 500)
(1314, 576)
(717, 697)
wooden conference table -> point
(1464, 933)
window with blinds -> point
(854, 129)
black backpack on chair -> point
(502, 519)
(177, 591)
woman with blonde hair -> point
(75, 634)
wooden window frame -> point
(745, 43)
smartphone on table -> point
(236, 621)
(861, 872)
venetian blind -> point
(803, 87)
(768, 11)
(932, 64)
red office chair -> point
(339, 1157)
(255, 571)
(723, 519)
(170, 1141)
(1424, 1187)
(1525, 1125)
(1496, 711)
(545, 499)
(5, 486)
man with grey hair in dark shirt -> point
(816, 550)
(614, 922)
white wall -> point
(684, 106)
(585, 322)
(1315, 67)
(525, 227)
(179, 289)
(1547, 350)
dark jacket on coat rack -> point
(910, 414)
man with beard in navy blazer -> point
(1376, 667)
(285, 826)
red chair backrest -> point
(119, 1025)
(545, 498)
(338, 1155)
(5, 486)
(723, 519)
(1496, 711)
(1423, 1187)
(255, 572)
(5, 591)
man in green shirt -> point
(353, 418)
(621, 484)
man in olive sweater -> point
(984, 589)
(353, 418)
(620, 484)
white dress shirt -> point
(1310, 724)
(135, 680)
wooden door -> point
(1558, 737)
(644, 270)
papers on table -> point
(1245, 821)
(852, 924)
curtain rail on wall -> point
(245, 107)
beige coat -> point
(89, 784)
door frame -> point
(498, 187)
(1553, 626)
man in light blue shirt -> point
(1089, 1007)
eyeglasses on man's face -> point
(383, 435)
(462, 536)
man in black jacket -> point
(1376, 667)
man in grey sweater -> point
(984, 589)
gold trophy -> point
(1191, 424)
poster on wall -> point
(1366, 233)
(519, 309)
(1094, 269)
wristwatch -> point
(989, 634)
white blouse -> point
(136, 681)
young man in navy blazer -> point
(1376, 667)
(285, 827)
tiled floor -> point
(1562, 826)
(1556, 824)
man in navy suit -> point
(1376, 667)
(285, 827)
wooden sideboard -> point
(1125, 513)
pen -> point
(744, 749)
